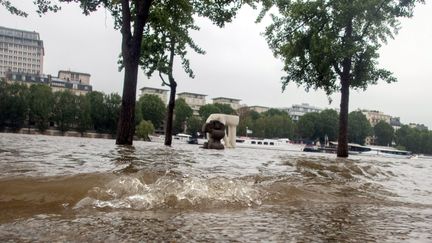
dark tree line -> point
(38, 106)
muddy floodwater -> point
(80, 189)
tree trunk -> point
(131, 50)
(170, 112)
(171, 103)
(342, 150)
(343, 120)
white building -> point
(56, 83)
(259, 109)
(234, 103)
(296, 111)
(376, 116)
(20, 51)
(161, 93)
(195, 101)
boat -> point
(272, 144)
(357, 149)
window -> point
(253, 142)
(265, 143)
(259, 142)
(271, 143)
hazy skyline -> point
(238, 62)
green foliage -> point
(225, 109)
(13, 105)
(83, 117)
(182, 113)
(270, 124)
(112, 104)
(143, 130)
(41, 105)
(65, 110)
(312, 40)
(358, 127)
(194, 125)
(152, 109)
(206, 110)
(104, 111)
(384, 133)
(307, 125)
(328, 125)
(415, 140)
(97, 110)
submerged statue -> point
(215, 128)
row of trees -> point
(37, 105)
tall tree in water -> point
(333, 45)
(166, 37)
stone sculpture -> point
(229, 122)
(215, 131)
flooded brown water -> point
(79, 189)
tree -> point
(3, 103)
(384, 133)
(225, 109)
(166, 37)
(333, 45)
(152, 109)
(358, 127)
(40, 104)
(194, 125)
(182, 113)
(14, 105)
(307, 126)
(83, 118)
(97, 110)
(206, 110)
(112, 103)
(328, 125)
(64, 110)
(143, 129)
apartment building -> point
(194, 100)
(259, 109)
(374, 116)
(298, 110)
(56, 83)
(161, 93)
(234, 103)
(20, 51)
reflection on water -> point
(72, 189)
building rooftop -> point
(219, 98)
(150, 88)
(64, 71)
(189, 93)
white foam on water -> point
(131, 193)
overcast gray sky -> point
(238, 62)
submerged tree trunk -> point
(170, 113)
(171, 103)
(131, 50)
(342, 150)
(343, 120)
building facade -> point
(296, 111)
(56, 84)
(234, 103)
(20, 51)
(376, 116)
(82, 78)
(259, 109)
(417, 126)
(195, 101)
(161, 93)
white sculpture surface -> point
(230, 122)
